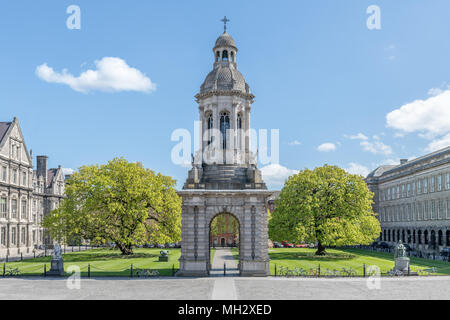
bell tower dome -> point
(224, 160)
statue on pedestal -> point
(57, 264)
(401, 260)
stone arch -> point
(217, 211)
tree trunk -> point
(125, 249)
(320, 250)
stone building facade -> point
(26, 195)
(413, 202)
(224, 177)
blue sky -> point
(318, 73)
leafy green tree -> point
(326, 205)
(118, 202)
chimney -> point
(42, 167)
(403, 161)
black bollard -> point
(89, 270)
(275, 270)
(173, 270)
(364, 270)
(45, 270)
(319, 270)
(224, 269)
(131, 271)
(4, 269)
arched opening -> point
(224, 55)
(440, 237)
(224, 244)
(210, 125)
(239, 130)
(224, 126)
(419, 237)
(425, 236)
(232, 56)
(217, 56)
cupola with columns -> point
(224, 103)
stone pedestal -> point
(57, 268)
(254, 268)
(401, 264)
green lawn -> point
(345, 258)
(104, 262)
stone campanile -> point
(224, 177)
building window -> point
(409, 190)
(419, 211)
(439, 183)
(398, 192)
(24, 178)
(433, 210)
(419, 186)
(13, 235)
(24, 209)
(389, 194)
(448, 209)
(4, 172)
(425, 210)
(14, 208)
(432, 184)
(440, 209)
(3, 207)
(3, 236)
(15, 176)
(403, 191)
(23, 236)
(425, 185)
(447, 181)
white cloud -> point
(276, 174)
(295, 143)
(431, 117)
(355, 168)
(438, 144)
(111, 74)
(358, 136)
(376, 147)
(326, 147)
(66, 171)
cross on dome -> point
(225, 20)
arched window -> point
(224, 55)
(239, 130)
(218, 56)
(419, 237)
(224, 126)
(440, 237)
(232, 56)
(425, 236)
(210, 127)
